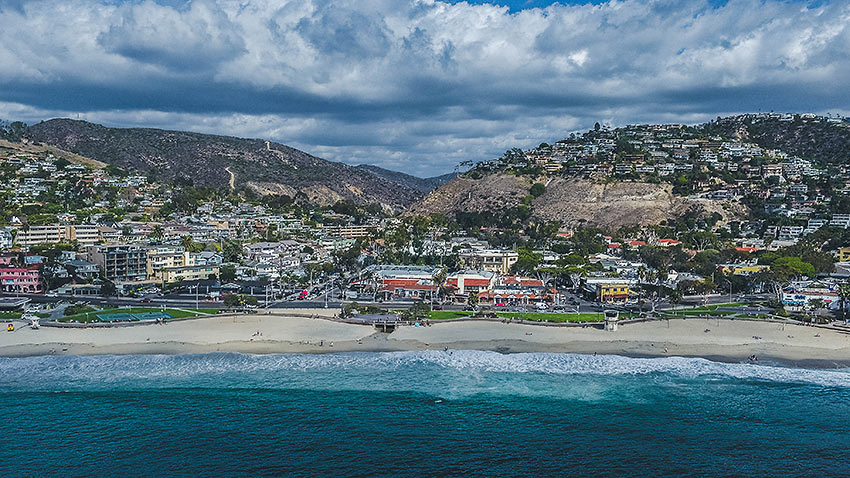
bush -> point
(78, 309)
(537, 190)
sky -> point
(417, 85)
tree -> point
(107, 288)
(231, 251)
(418, 311)
(844, 294)
(187, 242)
(157, 232)
(472, 299)
(228, 273)
(349, 309)
(597, 126)
(439, 279)
(787, 267)
(527, 262)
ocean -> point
(435, 413)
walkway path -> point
(232, 181)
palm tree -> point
(439, 279)
(187, 242)
(844, 294)
(157, 232)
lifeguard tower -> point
(612, 317)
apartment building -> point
(21, 279)
(84, 234)
(120, 262)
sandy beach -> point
(282, 332)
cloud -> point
(198, 37)
(417, 85)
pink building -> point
(21, 279)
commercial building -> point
(467, 281)
(608, 293)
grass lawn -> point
(554, 317)
(10, 315)
(208, 310)
(175, 313)
(532, 316)
(703, 310)
(448, 314)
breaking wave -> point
(459, 371)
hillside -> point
(571, 201)
(810, 138)
(423, 185)
(209, 160)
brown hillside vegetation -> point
(59, 153)
(572, 201)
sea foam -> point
(379, 371)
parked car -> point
(146, 300)
(436, 307)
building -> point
(82, 269)
(608, 293)
(744, 269)
(405, 281)
(84, 234)
(174, 264)
(349, 232)
(807, 296)
(160, 258)
(189, 273)
(498, 261)
(468, 281)
(517, 290)
(21, 279)
(843, 254)
(120, 262)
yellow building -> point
(612, 292)
(173, 264)
(162, 258)
(201, 272)
(843, 254)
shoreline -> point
(719, 340)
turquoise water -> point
(467, 413)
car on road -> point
(146, 300)
(436, 307)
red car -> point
(146, 300)
(302, 295)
